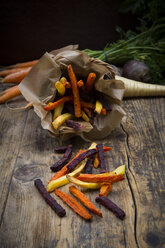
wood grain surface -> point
(27, 152)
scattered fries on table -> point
(73, 172)
(86, 101)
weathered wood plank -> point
(39, 225)
(146, 160)
(11, 132)
(29, 222)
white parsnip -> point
(138, 89)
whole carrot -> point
(84, 200)
(53, 105)
(90, 81)
(75, 90)
(72, 203)
(9, 94)
(10, 71)
(16, 77)
(25, 64)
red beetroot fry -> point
(64, 160)
(61, 149)
(75, 125)
(89, 166)
(101, 157)
(103, 200)
(49, 199)
(81, 157)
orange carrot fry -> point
(107, 148)
(84, 200)
(87, 105)
(80, 83)
(96, 161)
(72, 203)
(9, 94)
(64, 170)
(25, 64)
(4, 73)
(105, 189)
(16, 77)
(67, 85)
(103, 111)
(53, 105)
(75, 90)
(87, 111)
(109, 177)
(90, 81)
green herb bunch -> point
(147, 44)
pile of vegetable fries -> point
(78, 171)
(76, 100)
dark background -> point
(30, 28)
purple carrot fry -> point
(75, 125)
(89, 166)
(61, 149)
(63, 161)
(103, 200)
(81, 157)
(101, 157)
(49, 199)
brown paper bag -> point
(38, 88)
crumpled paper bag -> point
(38, 88)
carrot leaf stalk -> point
(84, 200)
(72, 203)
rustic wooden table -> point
(27, 152)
